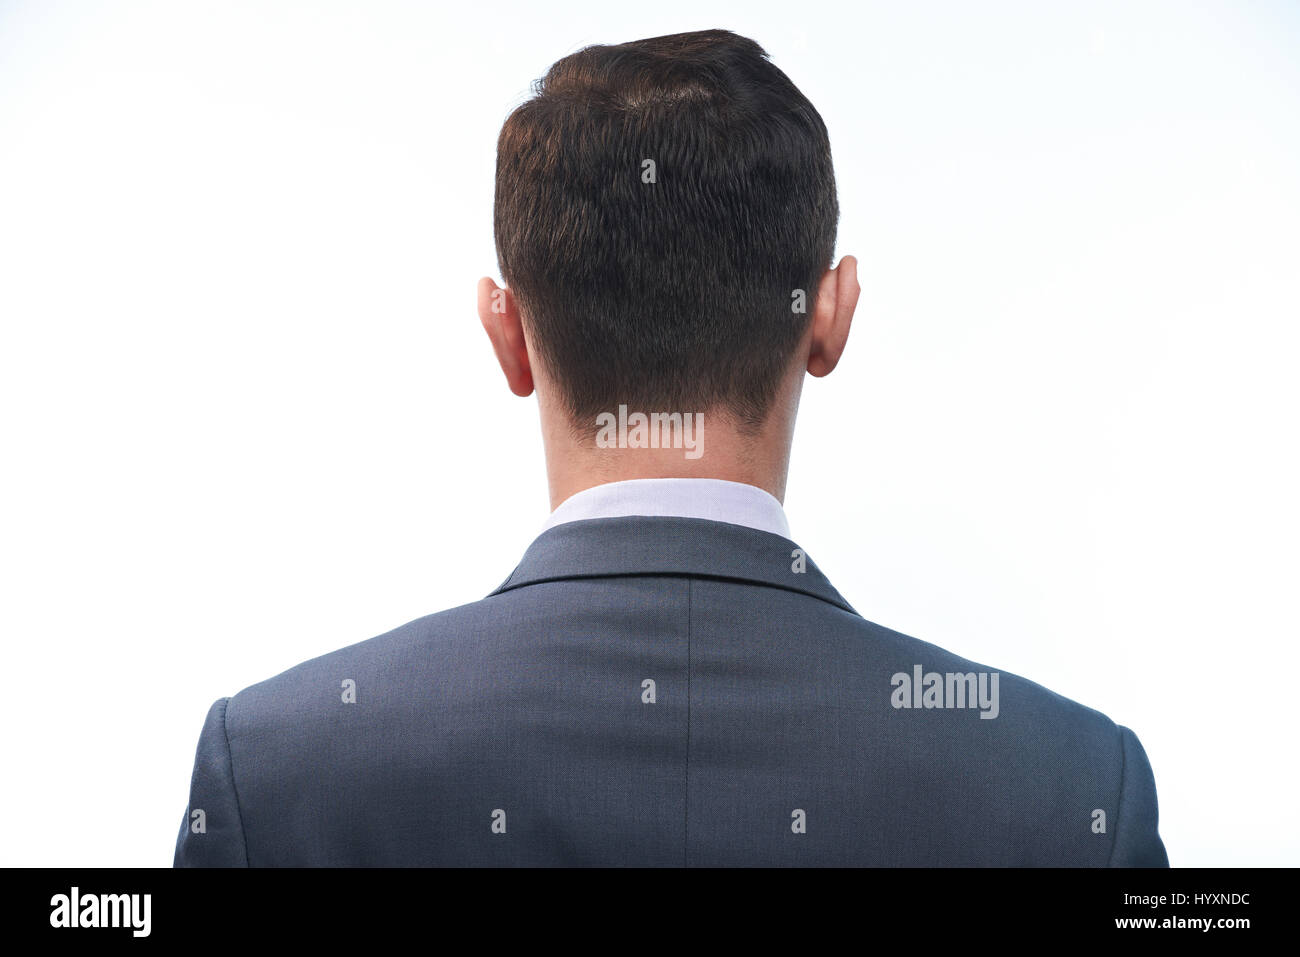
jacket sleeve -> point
(212, 833)
(1137, 839)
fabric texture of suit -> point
(657, 692)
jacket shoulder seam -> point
(1119, 797)
(234, 789)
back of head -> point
(658, 203)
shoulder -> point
(1041, 766)
(421, 649)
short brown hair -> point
(675, 294)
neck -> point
(712, 448)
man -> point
(666, 678)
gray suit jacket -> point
(661, 692)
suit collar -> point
(662, 545)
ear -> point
(837, 298)
(500, 317)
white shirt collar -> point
(714, 499)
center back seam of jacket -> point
(686, 835)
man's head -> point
(665, 221)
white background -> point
(249, 415)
